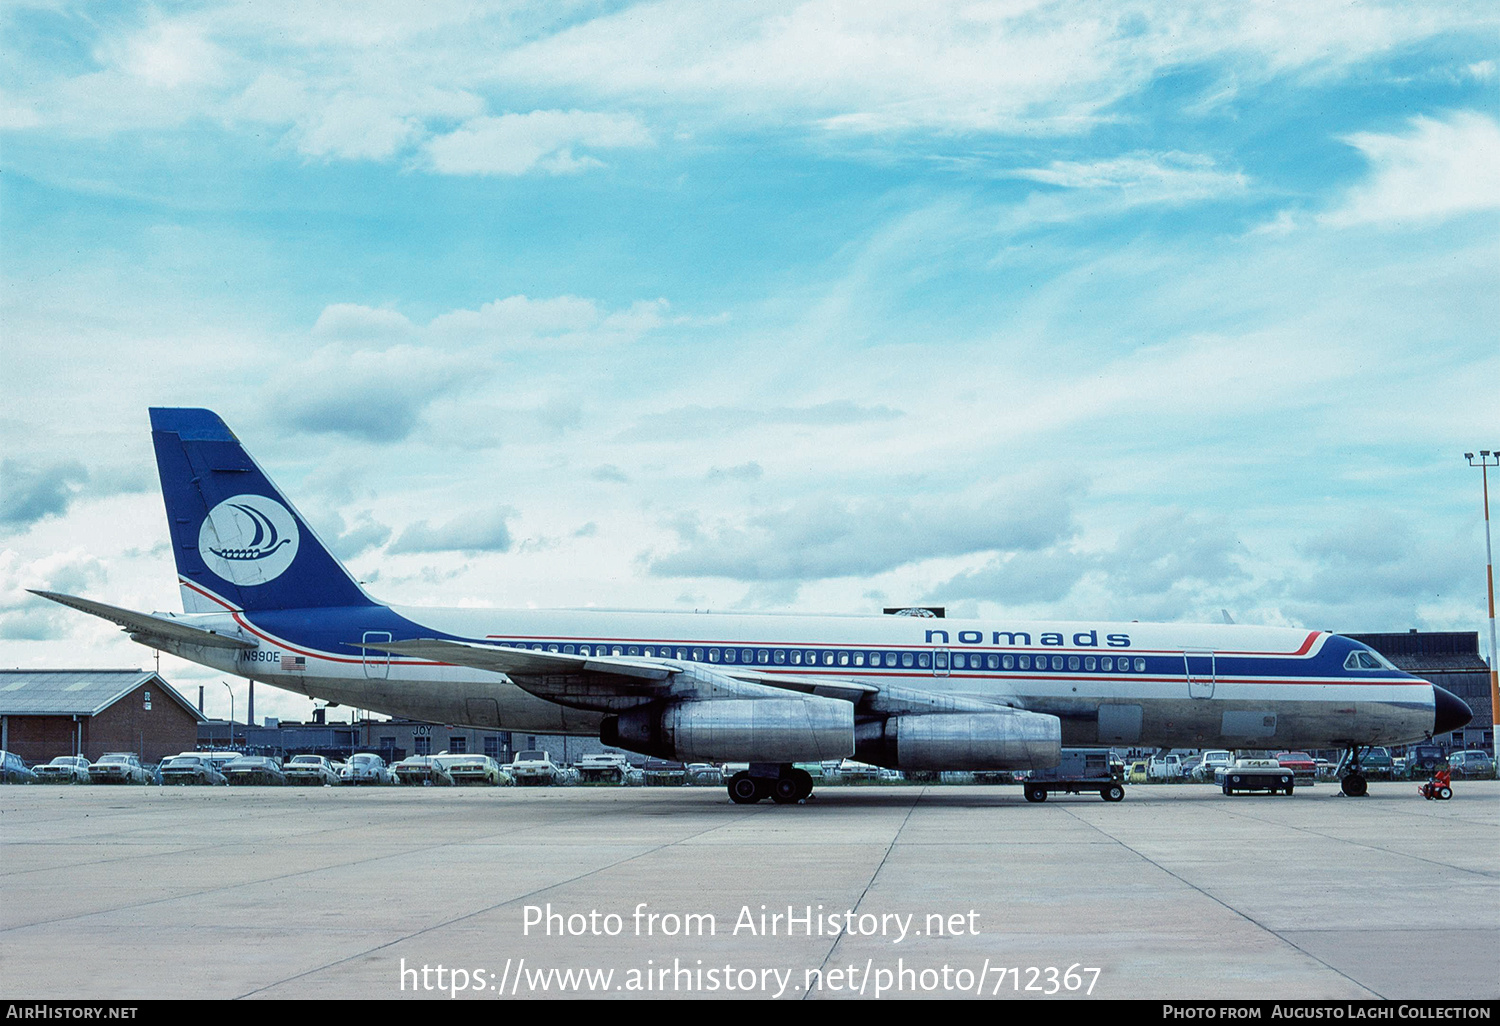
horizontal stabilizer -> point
(148, 623)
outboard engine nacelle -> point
(804, 729)
(1013, 740)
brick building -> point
(46, 713)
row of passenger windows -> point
(855, 657)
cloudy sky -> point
(1139, 310)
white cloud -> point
(1149, 177)
(1441, 168)
(543, 140)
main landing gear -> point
(1354, 783)
(783, 784)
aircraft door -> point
(377, 664)
(1199, 667)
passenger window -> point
(1140, 665)
(1107, 664)
(713, 655)
(859, 659)
(567, 650)
(843, 658)
(682, 653)
(907, 660)
(1057, 662)
(960, 660)
(992, 661)
(1025, 662)
(698, 655)
(729, 655)
(779, 656)
(552, 648)
(1088, 662)
(617, 650)
(890, 659)
(1072, 662)
(763, 656)
(796, 657)
(827, 658)
(635, 650)
(1008, 662)
(924, 660)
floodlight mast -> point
(1486, 460)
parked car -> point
(367, 768)
(1471, 765)
(1137, 773)
(1214, 760)
(1304, 769)
(852, 771)
(704, 774)
(13, 769)
(1164, 767)
(255, 769)
(1422, 761)
(536, 767)
(1375, 764)
(118, 768)
(603, 768)
(422, 770)
(65, 769)
(473, 769)
(190, 768)
(664, 773)
(311, 770)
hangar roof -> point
(76, 692)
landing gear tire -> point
(1444, 793)
(1355, 785)
(1036, 794)
(1113, 793)
(804, 783)
(744, 789)
(786, 790)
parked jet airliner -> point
(266, 600)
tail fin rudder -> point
(235, 537)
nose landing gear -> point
(783, 784)
(1354, 783)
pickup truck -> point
(1258, 775)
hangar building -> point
(47, 713)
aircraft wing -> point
(631, 675)
(524, 661)
(148, 623)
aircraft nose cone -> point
(1449, 712)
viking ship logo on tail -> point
(248, 539)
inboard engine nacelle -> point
(806, 729)
(1011, 740)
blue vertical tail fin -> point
(236, 539)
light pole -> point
(1487, 460)
(231, 711)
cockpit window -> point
(1365, 659)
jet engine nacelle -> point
(806, 729)
(1014, 740)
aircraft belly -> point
(1237, 723)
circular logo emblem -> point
(248, 539)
